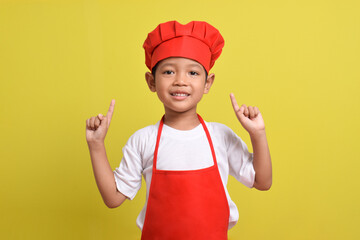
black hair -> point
(153, 70)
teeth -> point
(180, 94)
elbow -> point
(263, 187)
(115, 202)
(111, 204)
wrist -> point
(94, 145)
(258, 134)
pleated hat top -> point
(196, 40)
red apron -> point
(184, 205)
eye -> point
(168, 72)
(193, 73)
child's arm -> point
(96, 129)
(251, 119)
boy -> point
(185, 161)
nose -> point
(180, 80)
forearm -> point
(261, 161)
(104, 176)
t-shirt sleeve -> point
(240, 160)
(129, 173)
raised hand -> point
(97, 127)
(249, 117)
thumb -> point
(103, 120)
(241, 115)
(241, 110)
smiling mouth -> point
(179, 94)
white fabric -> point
(183, 150)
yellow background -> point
(62, 62)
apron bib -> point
(185, 205)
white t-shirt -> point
(183, 150)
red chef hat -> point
(196, 40)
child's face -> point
(180, 84)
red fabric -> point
(186, 204)
(196, 40)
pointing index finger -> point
(111, 110)
(234, 103)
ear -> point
(209, 82)
(150, 80)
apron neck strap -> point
(159, 136)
